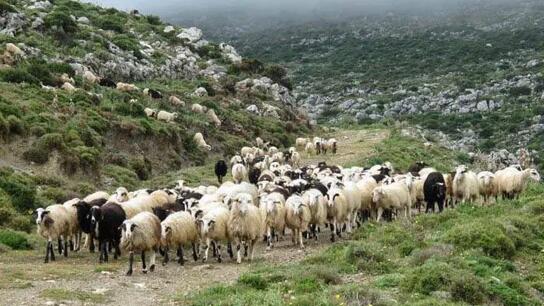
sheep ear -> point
(199, 214)
(168, 229)
(211, 223)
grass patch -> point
(73, 295)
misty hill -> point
(471, 73)
(59, 143)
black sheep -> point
(84, 218)
(434, 191)
(109, 219)
(334, 148)
(319, 186)
(107, 83)
(416, 167)
(154, 94)
(254, 175)
(220, 170)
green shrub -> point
(142, 167)
(21, 223)
(367, 257)
(14, 240)
(111, 23)
(16, 125)
(468, 288)
(62, 21)
(520, 91)
(60, 68)
(255, 281)
(488, 236)
(128, 43)
(17, 75)
(21, 189)
(431, 276)
(6, 8)
(153, 20)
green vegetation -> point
(467, 255)
(73, 295)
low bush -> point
(14, 240)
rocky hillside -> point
(63, 134)
(472, 75)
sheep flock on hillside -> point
(269, 197)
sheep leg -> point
(66, 246)
(90, 238)
(252, 249)
(380, 212)
(101, 250)
(130, 263)
(152, 260)
(166, 259)
(348, 224)
(195, 255)
(117, 252)
(331, 225)
(47, 250)
(181, 260)
(440, 205)
(206, 249)
(238, 253)
(144, 268)
(219, 258)
(71, 243)
(300, 239)
(245, 248)
(229, 250)
(214, 249)
(339, 230)
(59, 245)
(268, 238)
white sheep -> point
(197, 108)
(228, 191)
(125, 87)
(199, 139)
(366, 185)
(213, 226)
(465, 185)
(176, 101)
(96, 195)
(90, 77)
(273, 207)
(317, 203)
(213, 117)
(395, 196)
(68, 87)
(65, 78)
(310, 149)
(74, 235)
(272, 150)
(337, 210)
(246, 224)
(53, 224)
(487, 185)
(301, 142)
(511, 181)
(259, 142)
(177, 230)
(140, 234)
(150, 112)
(14, 50)
(166, 116)
(297, 218)
(239, 173)
(120, 195)
(353, 197)
(423, 173)
(295, 159)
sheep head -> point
(128, 228)
(378, 194)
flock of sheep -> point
(270, 193)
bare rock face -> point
(191, 34)
(12, 23)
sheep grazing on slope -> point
(166, 116)
(220, 170)
(141, 233)
(154, 94)
(246, 224)
(90, 77)
(434, 190)
(68, 87)
(465, 185)
(65, 78)
(212, 226)
(333, 145)
(14, 50)
(150, 113)
(310, 149)
(197, 108)
(213, 118)
(487, 185)
(259, 142)
(106, 221)
(301, 142)
(176, 101)
(297, 218)
(125, 87)
(199, 139)
(239, 173)
(107, 83)
(511, 181)
(53, 224)
(273, 207)
(395, 196)
(177, 230)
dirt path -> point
(79, 280)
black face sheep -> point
(141, 233)
(155, 94)
(53, 224)
(106, 221)
(254, 175)
(511, 181)
(465, 185)
(395, 196)
(177, 230)
(84, 219)
(220, 170)
(417, 166)
(212, 226)
(434, 190)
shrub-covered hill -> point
(473, 74)
(66, 143)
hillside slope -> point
(472, 74)
(57, 143)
